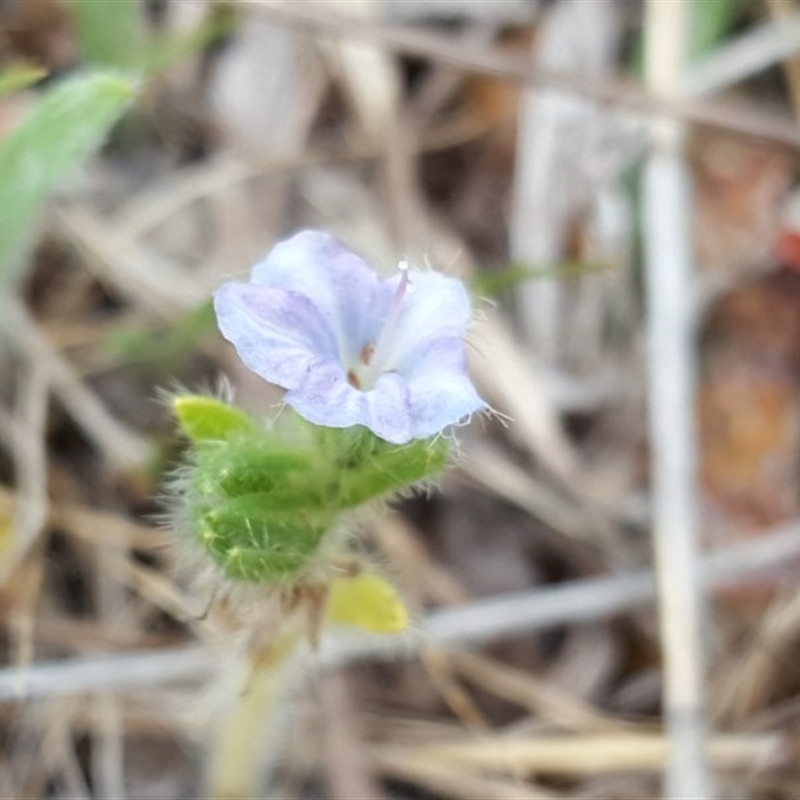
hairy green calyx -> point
(261, 501)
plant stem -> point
(670, 300)
(242, 744)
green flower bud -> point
(262, 501)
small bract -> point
(350, 348)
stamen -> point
(401, 288)
(372, 356)
(367, 351)
(394, 308)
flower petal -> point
(434, 305)
(388, 409)
(327, 398)
(439, 386)
(277, 334)
(346, 290)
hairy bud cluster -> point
(261, 502)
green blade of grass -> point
(67, 125)
(171, 49)
(18, 76)
(110, 33)
(711, 22)
(492, 284)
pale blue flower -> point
(350, 348)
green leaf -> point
(490, 284)
(110, 33)
(18, 76)
(205, 419)
(711, 22)
(391, 468)
(158, 348)
(172, 49)
(366, 601)
(67, 125)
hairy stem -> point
(243, 742)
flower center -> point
(372, 358)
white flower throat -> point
(374, 357)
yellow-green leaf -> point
(205, 419)
(367, 601)
(18, 76)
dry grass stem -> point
(349, 769)
(476, 622)
(108, 767)
(671, 377)
(30, 464)
(747, 55)
(786, 19)
(121, 445)
(490, 467)
(516, 387)
(438, 665)
(453, 780)
(540, 697)
(149, 280)
(580, 755)
(423, 578)
(438, 48)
